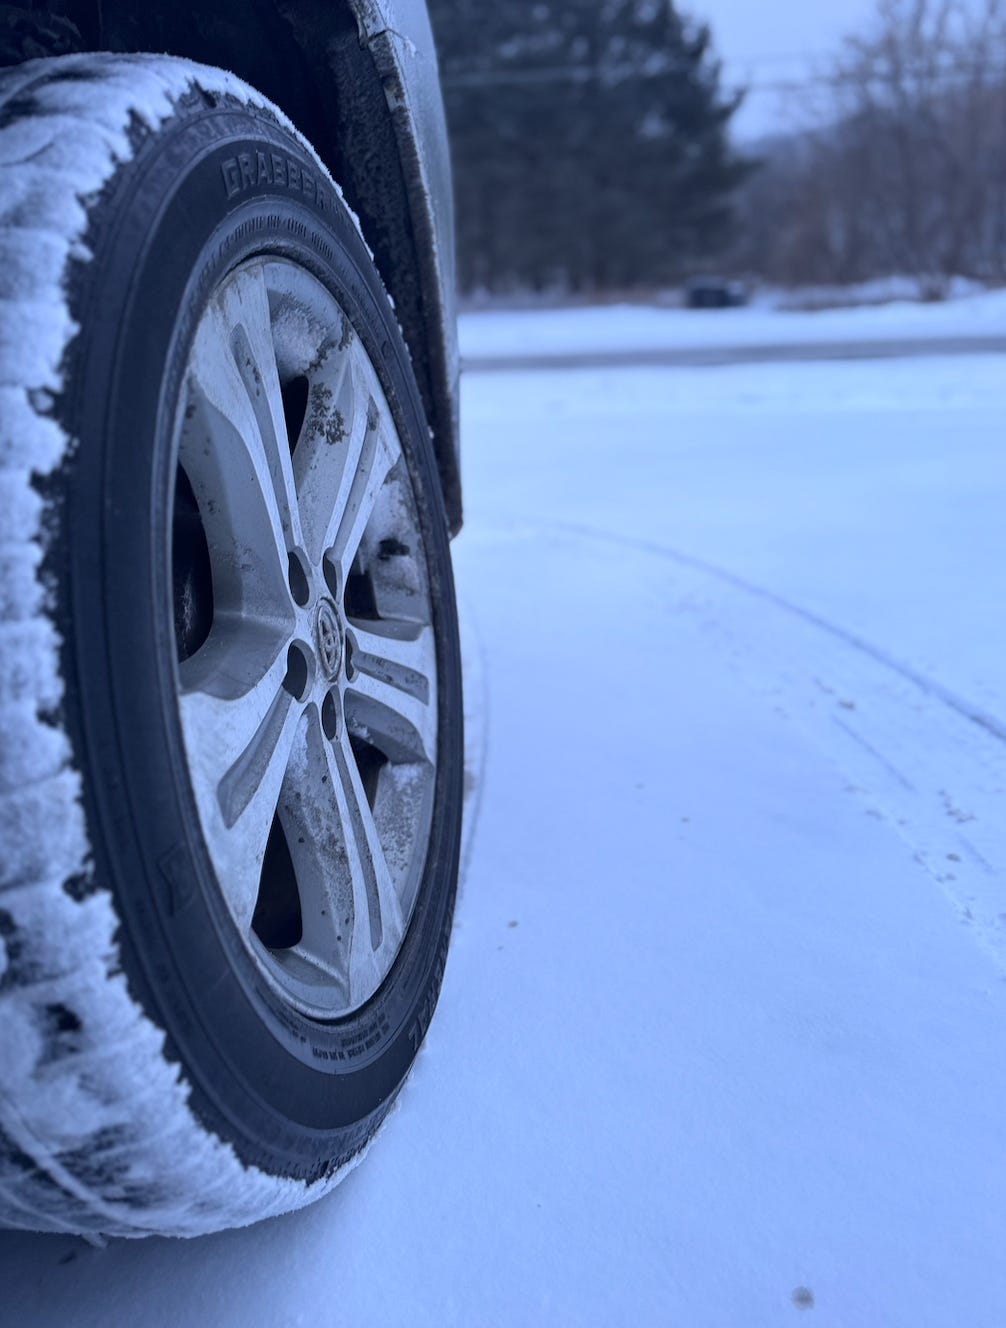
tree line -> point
(590, 143)
(905, 169)
(592, 150)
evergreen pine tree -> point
(590, 142)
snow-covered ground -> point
(622, 329)
(722, 1039)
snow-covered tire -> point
(170, 1060)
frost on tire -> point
(99, 1125)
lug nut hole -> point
(300, 587)
(331, 573)
(298, 671)
(330, 715)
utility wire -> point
(620, 73)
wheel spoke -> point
(341, 459)
(329, 447)
(351, 914)
(235, 453)
(255, 355)
(376, 459)
(238, 740)
(401, 654)
(390, 696)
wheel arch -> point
(359, 79)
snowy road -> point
(705, 357)
(723, 1035)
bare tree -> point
(908, 172)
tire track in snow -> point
(967, 709)
(920, 757)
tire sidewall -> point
(217, 186)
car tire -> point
(230, 693)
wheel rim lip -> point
(296, 290)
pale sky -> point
(770, 42)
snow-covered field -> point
(643, 329)
(723, 1035)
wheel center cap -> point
(329, 637)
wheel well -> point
(307, 57)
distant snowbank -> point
(621, 328)
(882, 290)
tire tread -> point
(89, 1143)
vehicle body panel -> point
(400, 39)
(359, 79)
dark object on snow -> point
(715, 293)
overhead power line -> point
(619, 73)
